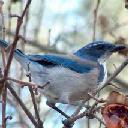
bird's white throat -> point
(103, 63)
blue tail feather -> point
(3, 43)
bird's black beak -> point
(118, 48)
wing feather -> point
(56, 60)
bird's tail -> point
(3, 44)
(17, 52)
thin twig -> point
(16, 38)
(4, 89)
(3, 37)
(14, 16)
(79, 108)
(22, 105)
(100, 120)
(97, 100)
(113, 85)
(4, 96)
(40, 123)
(9, 19)
(21, 45)
(88, 120)
(122, 66)
(19, 110)
(6, 69)
(85, 113)
(49, 37)
(95, 19)
(23, 83)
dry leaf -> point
(115, 111)
(116, 97)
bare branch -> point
(22, 105)
(33, 85)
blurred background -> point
(62, 26)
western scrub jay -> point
(71, 77)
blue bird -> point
(71, 77)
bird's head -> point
(98, 50)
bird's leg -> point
(52, 105)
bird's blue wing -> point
(55, 60)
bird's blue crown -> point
(97, 49)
